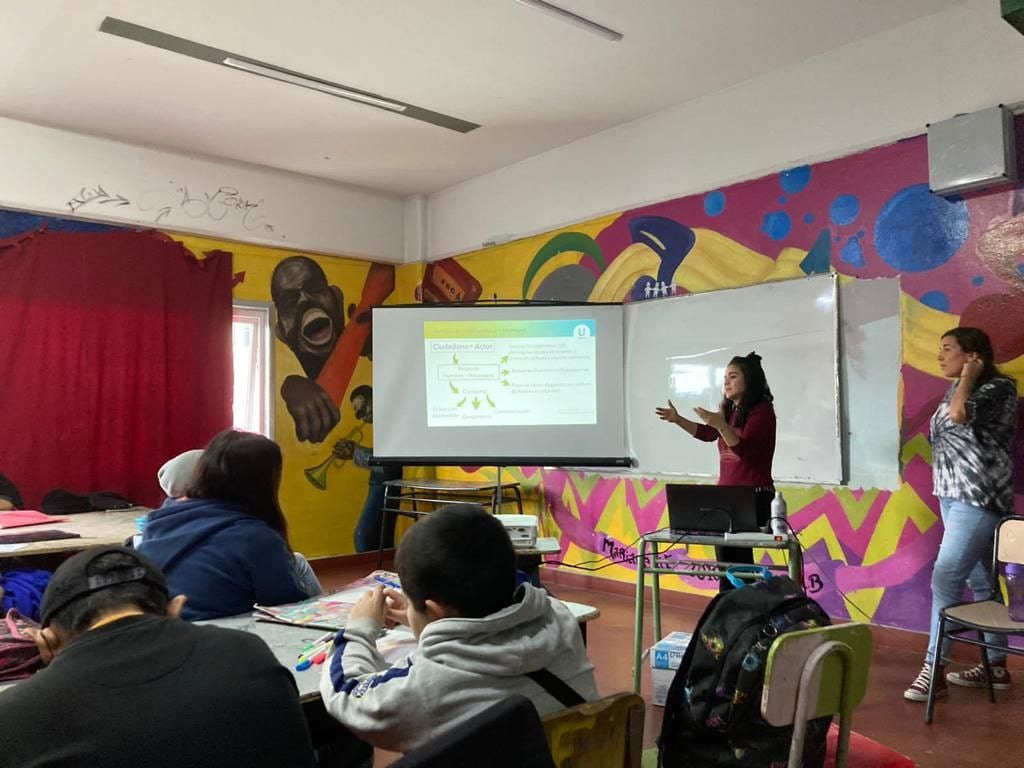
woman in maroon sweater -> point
(744, 428)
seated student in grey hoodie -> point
(479, 637)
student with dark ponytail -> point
(744, 428)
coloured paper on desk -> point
(16, 518)
(326, 611)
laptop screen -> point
(714, 508)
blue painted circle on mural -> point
(936, 300)
(1020, 269)
(852, 253)
(844, 209)
(916, 231)
(714, 203)
(795, 179)
(776, 224)
(782, 199)
(978, 280)
(808, 218)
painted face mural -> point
(310, 315)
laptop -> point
(714, 509)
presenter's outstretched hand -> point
(715, 419)
(669, 414)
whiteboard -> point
(678, 348)
(870, 352)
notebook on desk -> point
(712, 509)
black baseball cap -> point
(78, 577)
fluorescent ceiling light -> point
(316, 85)
(574, 18)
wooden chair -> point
(984, 616)
(607, 733)
(506, 735)
(816, 673)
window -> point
(251, 345)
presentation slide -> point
(509, 385)
(510, 372)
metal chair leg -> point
(383, 525)
(988, 669)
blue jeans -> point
(367, 533)
(965, 558)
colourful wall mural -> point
(960, 261)
(868, 551)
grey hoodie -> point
(461, 667)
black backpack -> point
(61, 502)
(713, 710)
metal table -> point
(654, 563)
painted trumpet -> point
(317, 475)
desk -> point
(286, 641)
(106, 528)
(437, 493)
(686, 567)
(528, 559)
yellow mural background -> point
(320, 523)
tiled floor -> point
(968, 730)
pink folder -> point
(16, 518)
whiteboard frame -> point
(836, 473)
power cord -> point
(821, 569)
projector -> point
(522, 529)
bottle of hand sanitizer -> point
(780, 525)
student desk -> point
(529, 559)
(417, 497)
(106, 528)
(654, 562)
(286, 641)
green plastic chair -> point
(816, 673)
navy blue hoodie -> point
(223, 559)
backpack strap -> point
(557, 687)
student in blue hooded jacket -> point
(225, 544)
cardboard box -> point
(661, 679)
(668, 652)
(666, 656)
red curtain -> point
(115, 355)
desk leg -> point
(796, 562)
(656, 592)
(638, 626)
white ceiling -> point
(532, 82)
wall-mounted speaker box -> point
(972, 151)
(1013, 13)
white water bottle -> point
(780, 525)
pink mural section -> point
(960, 261)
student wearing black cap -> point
(129, 684)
